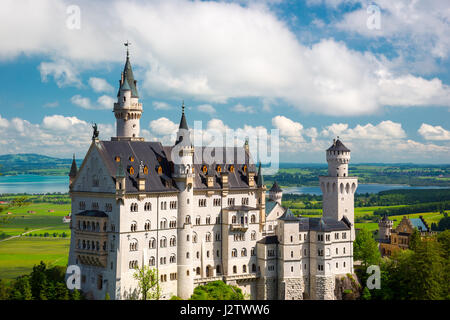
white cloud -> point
(62, 71)
(57, 136)
(100, 85)
(103, 102)
(106, 102)
(163, 126)
(207, 108)
(383, 130)
(429, 132)
(214, 51)
(243, 109)
(159, 105)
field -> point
(18, 255)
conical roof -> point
(183, 122)
(275, 188)
(128, 79)
(73, 168)
(338, 146)
(260, 177)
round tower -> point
(127, 109)
(183, 174)
(338, 157)
(275, 193)
(385, 227)
(337, 187)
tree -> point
(107, 297)
(76, 295)
(365, 248)
(148, 283)
(414, 240)
(217, 290)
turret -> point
(127, 109)
(183, 174)
(337, 187)
(275, 193)
(73, 171)
(385, 228)
(261, 195)
(338, 157)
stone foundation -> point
(266, 289)
(291, 289)
(324, 287)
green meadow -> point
(28, 246)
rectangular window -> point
(173, 204)
(336, 236)
(230, 202)
(344, 235)
(202, 202)
(327, 237)
(217, 202)
(244, 201)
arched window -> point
(151, 261)
(219, 168)
(208, 237)
(173, 241)
(233, 220)
(205, 169)
(253, 218)
(133, 226)
(152, 243)
(253, 235)
(172, 259)
(163, 223)
(131, 170)
(231, 168)
(188, 219)
(131, 158)
(243, 252)
(197, 271)
(147, 225)
(163, 242)
(194, 237)
(244, 168)
(234, 253)
(197, 220)
(145, 170)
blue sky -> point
(311, 69)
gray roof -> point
(322, 224)
(338, 146)
(270, 204)
(92, 213)
(153, 155)
(275, 188)
(288, 216)
(129, 82)
(73, 168)
(260, 177)
(269, 240)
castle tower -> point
(337, 187)
(385, 227)
(183, 160)
(127, 109)
(275, 193)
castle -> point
(198, 219)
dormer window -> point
(131, 170)
(159, 170)
(117, 158)
(244, 168)
(205, 170)
(145, 170)
(131, 158)
(231, 168)
(219, 169)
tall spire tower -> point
(127, 109)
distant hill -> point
(30, 163)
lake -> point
(29, 183)
(48, 184)
(362, 188)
